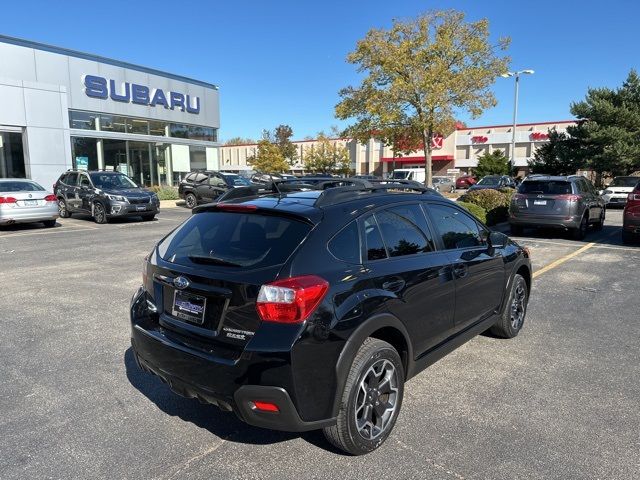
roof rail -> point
(336, 195)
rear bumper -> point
(549, 221)
(225, 380)
(28, 215)
(615, 199)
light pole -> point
(515, 110)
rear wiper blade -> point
(212, 260)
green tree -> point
(239, 141)
(282, 138)
(268, 158)
(421, 72)
(327, 156)
(608, 134)
(560, 156)
(495, 163)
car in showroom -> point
(494, 182)
(618, 190)
(631, 216)
(204, 186)
(465, 181)
(25, 201)
(310, 309)
(103, 195)
(567, 202)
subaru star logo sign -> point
(181, 283)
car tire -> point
(63, 211)
(516, 230)
(49, 223)
(191, 200)
(515, 310)
(99, 213)
(627, 237)
(599, 225)
(360, 428)
(581, 232)
(148, 218)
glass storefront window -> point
(115, 156)
(84, 153)
(193, 132)
(11, 155)
(141, 168)
(140, 127)
(113, 123)
(157, 128)
(82, 120)
(197, 157)
(161, 159)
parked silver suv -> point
(571, 203)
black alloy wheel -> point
(99, 213)
(62, 208)
(371, 400)
(191, 200)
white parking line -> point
(46, 232)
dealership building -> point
(454, 154)
(62, 109)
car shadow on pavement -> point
(224, 425)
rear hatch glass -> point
(233, 240)
(226, 257)
(544, 196)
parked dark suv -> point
(309, 310)
(103, 195)
(571, 203)
(205, 186)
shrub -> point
(167, 193)
(494, 202)
(475, 210)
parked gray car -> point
(25, 201)
(571, 203)
(444, 184)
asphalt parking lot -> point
(559, 401)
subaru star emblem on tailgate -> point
(181, 282)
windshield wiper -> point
(213, 260)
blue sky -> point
(284, 61)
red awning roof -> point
(435, 158)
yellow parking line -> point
(561, 260)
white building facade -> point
(62, 109)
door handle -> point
(394, 285)
(460, 270)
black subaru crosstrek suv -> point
(310, 310)
(206, 186)
(103, 195)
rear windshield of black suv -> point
(231, 239)
(549, 187)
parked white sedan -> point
(25, 201)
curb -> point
(171, 203)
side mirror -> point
(497, 240)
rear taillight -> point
(633, 197)
(51, 198)
(291, 300)
(570, 197)
(7, 200)
(518, 197)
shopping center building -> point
(455, 154)
(62, 109)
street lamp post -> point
(515, 110)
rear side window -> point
(217, 181)
(403, 230)
(234, 240)
(373, 240)
(456, 228)
(190, 177)
(550, 187)
(72, 179)
(345, 245)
